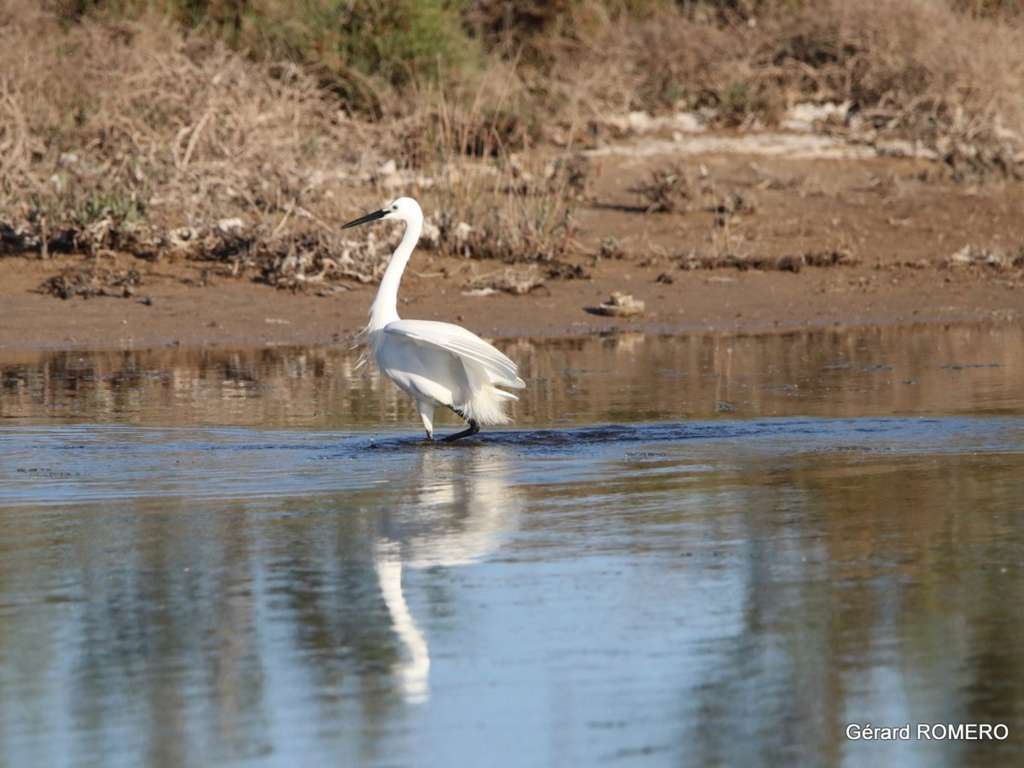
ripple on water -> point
(68, 464)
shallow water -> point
(691, 551)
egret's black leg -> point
(473, 429)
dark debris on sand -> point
(17, 241)
(89, 280)
(788, 263)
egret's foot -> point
(473, 429)
(430, 437)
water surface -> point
(688, 551)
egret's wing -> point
(463, 344)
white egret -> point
(436, 364)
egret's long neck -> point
(384, 309)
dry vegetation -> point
(240, 133)
(668, 190)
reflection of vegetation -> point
(854, 605)
(619, 378)
(881, 595)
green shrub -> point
(394, 40)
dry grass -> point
(145, 135)
(134, 110)
(491, 202)
(508, 226)
(666, 190)
(153, 140)
(916, 67)
(150, 142)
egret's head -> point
(402, 208)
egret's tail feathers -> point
(505, 381)
(488, 406)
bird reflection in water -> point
(454, 515)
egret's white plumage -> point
(437, 364)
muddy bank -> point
(903, 245)
(235, 313)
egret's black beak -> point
(368, 217)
